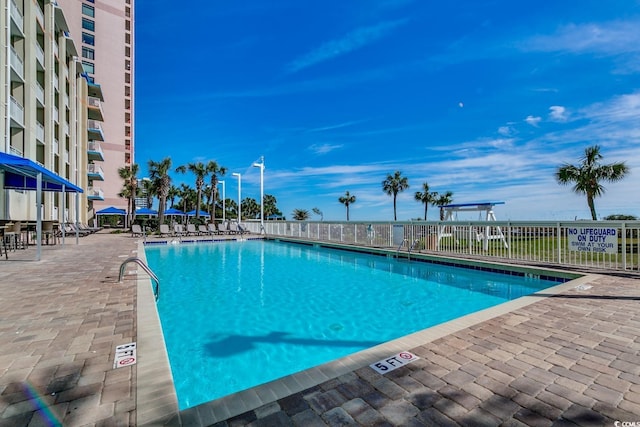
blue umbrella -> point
(111, 211)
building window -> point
(89, 67)
(88, 24)
(88, 10)
(89, 39)
(88, 53)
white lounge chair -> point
(191, 230)
(164, 230)
(136, 230)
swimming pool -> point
(238, 314)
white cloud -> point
(558, 113)
(506, 130)
(356, 39)
(533, 121)
(324, 148)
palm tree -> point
(300, 214)
(129, 175)
(214, 169)
(159, 175)
(147, 187)
(346, 200)
(318, 212)
(187, 196)
(199, 169)
(393, 185)
(588, 174)
(426, 197)
(270, 206)
(172, 194)
(443, 200)
(250, 207)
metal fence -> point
(609, 245)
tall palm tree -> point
(159, 175)
(587, 175)
(443, 200)
(129, 175)
(172, 194)
(426, 197)
(250, 207)
(346, 200)
(393, 185)
(199, 169)
(215, 170)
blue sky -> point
(484, 99)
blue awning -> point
(146, 211)
(21, 174)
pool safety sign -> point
(593, 239)
(125, 355)
(390, 363)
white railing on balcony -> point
(93, 102)
(17, 111)
(16, 63)
(39, 15)
(95, 146)
(94, 169)
(40, 132)
(17, 16)
(66, 100)
(66, 128)
(55, 81)
(55, 146)
(66, 156)
(55, 48)
(56, 115)
(95, 192)
(608, 245)
(13, 150)
(39, 93)
(39, 53)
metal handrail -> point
(138, 261)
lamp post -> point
(239, 195)
(224, 196)
(261, 166)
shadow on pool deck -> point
(568, 359)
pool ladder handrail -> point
(156, 291)
(409, 248)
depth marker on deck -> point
(390, 363)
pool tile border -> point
(157, 402)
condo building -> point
(55, 110)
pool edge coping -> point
(156, 398)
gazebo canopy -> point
(146, 211)
(201, 213)
(21, 174)
(174, 211)
(111, 210)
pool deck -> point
(566, 358)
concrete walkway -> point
(568, 359)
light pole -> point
(224, 196)
(261, 166)
(239, 195)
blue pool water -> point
(239, 314)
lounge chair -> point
(213, 228)
(191, 230)
(178, 230)
(136, 230)
(233, 228)
(164, 230)
(203, 230)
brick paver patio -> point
(568, 359)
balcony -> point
(94, 151)
(56, 114)
(39, 133)
(17, 25)
(95, 109)
(94, 172)
(40, 16)
(95, 91)
(95, 193)
(17, 67)
(17, 114)
(39, 93)
(95, 130)
(39, 55)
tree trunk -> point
(592, 207)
